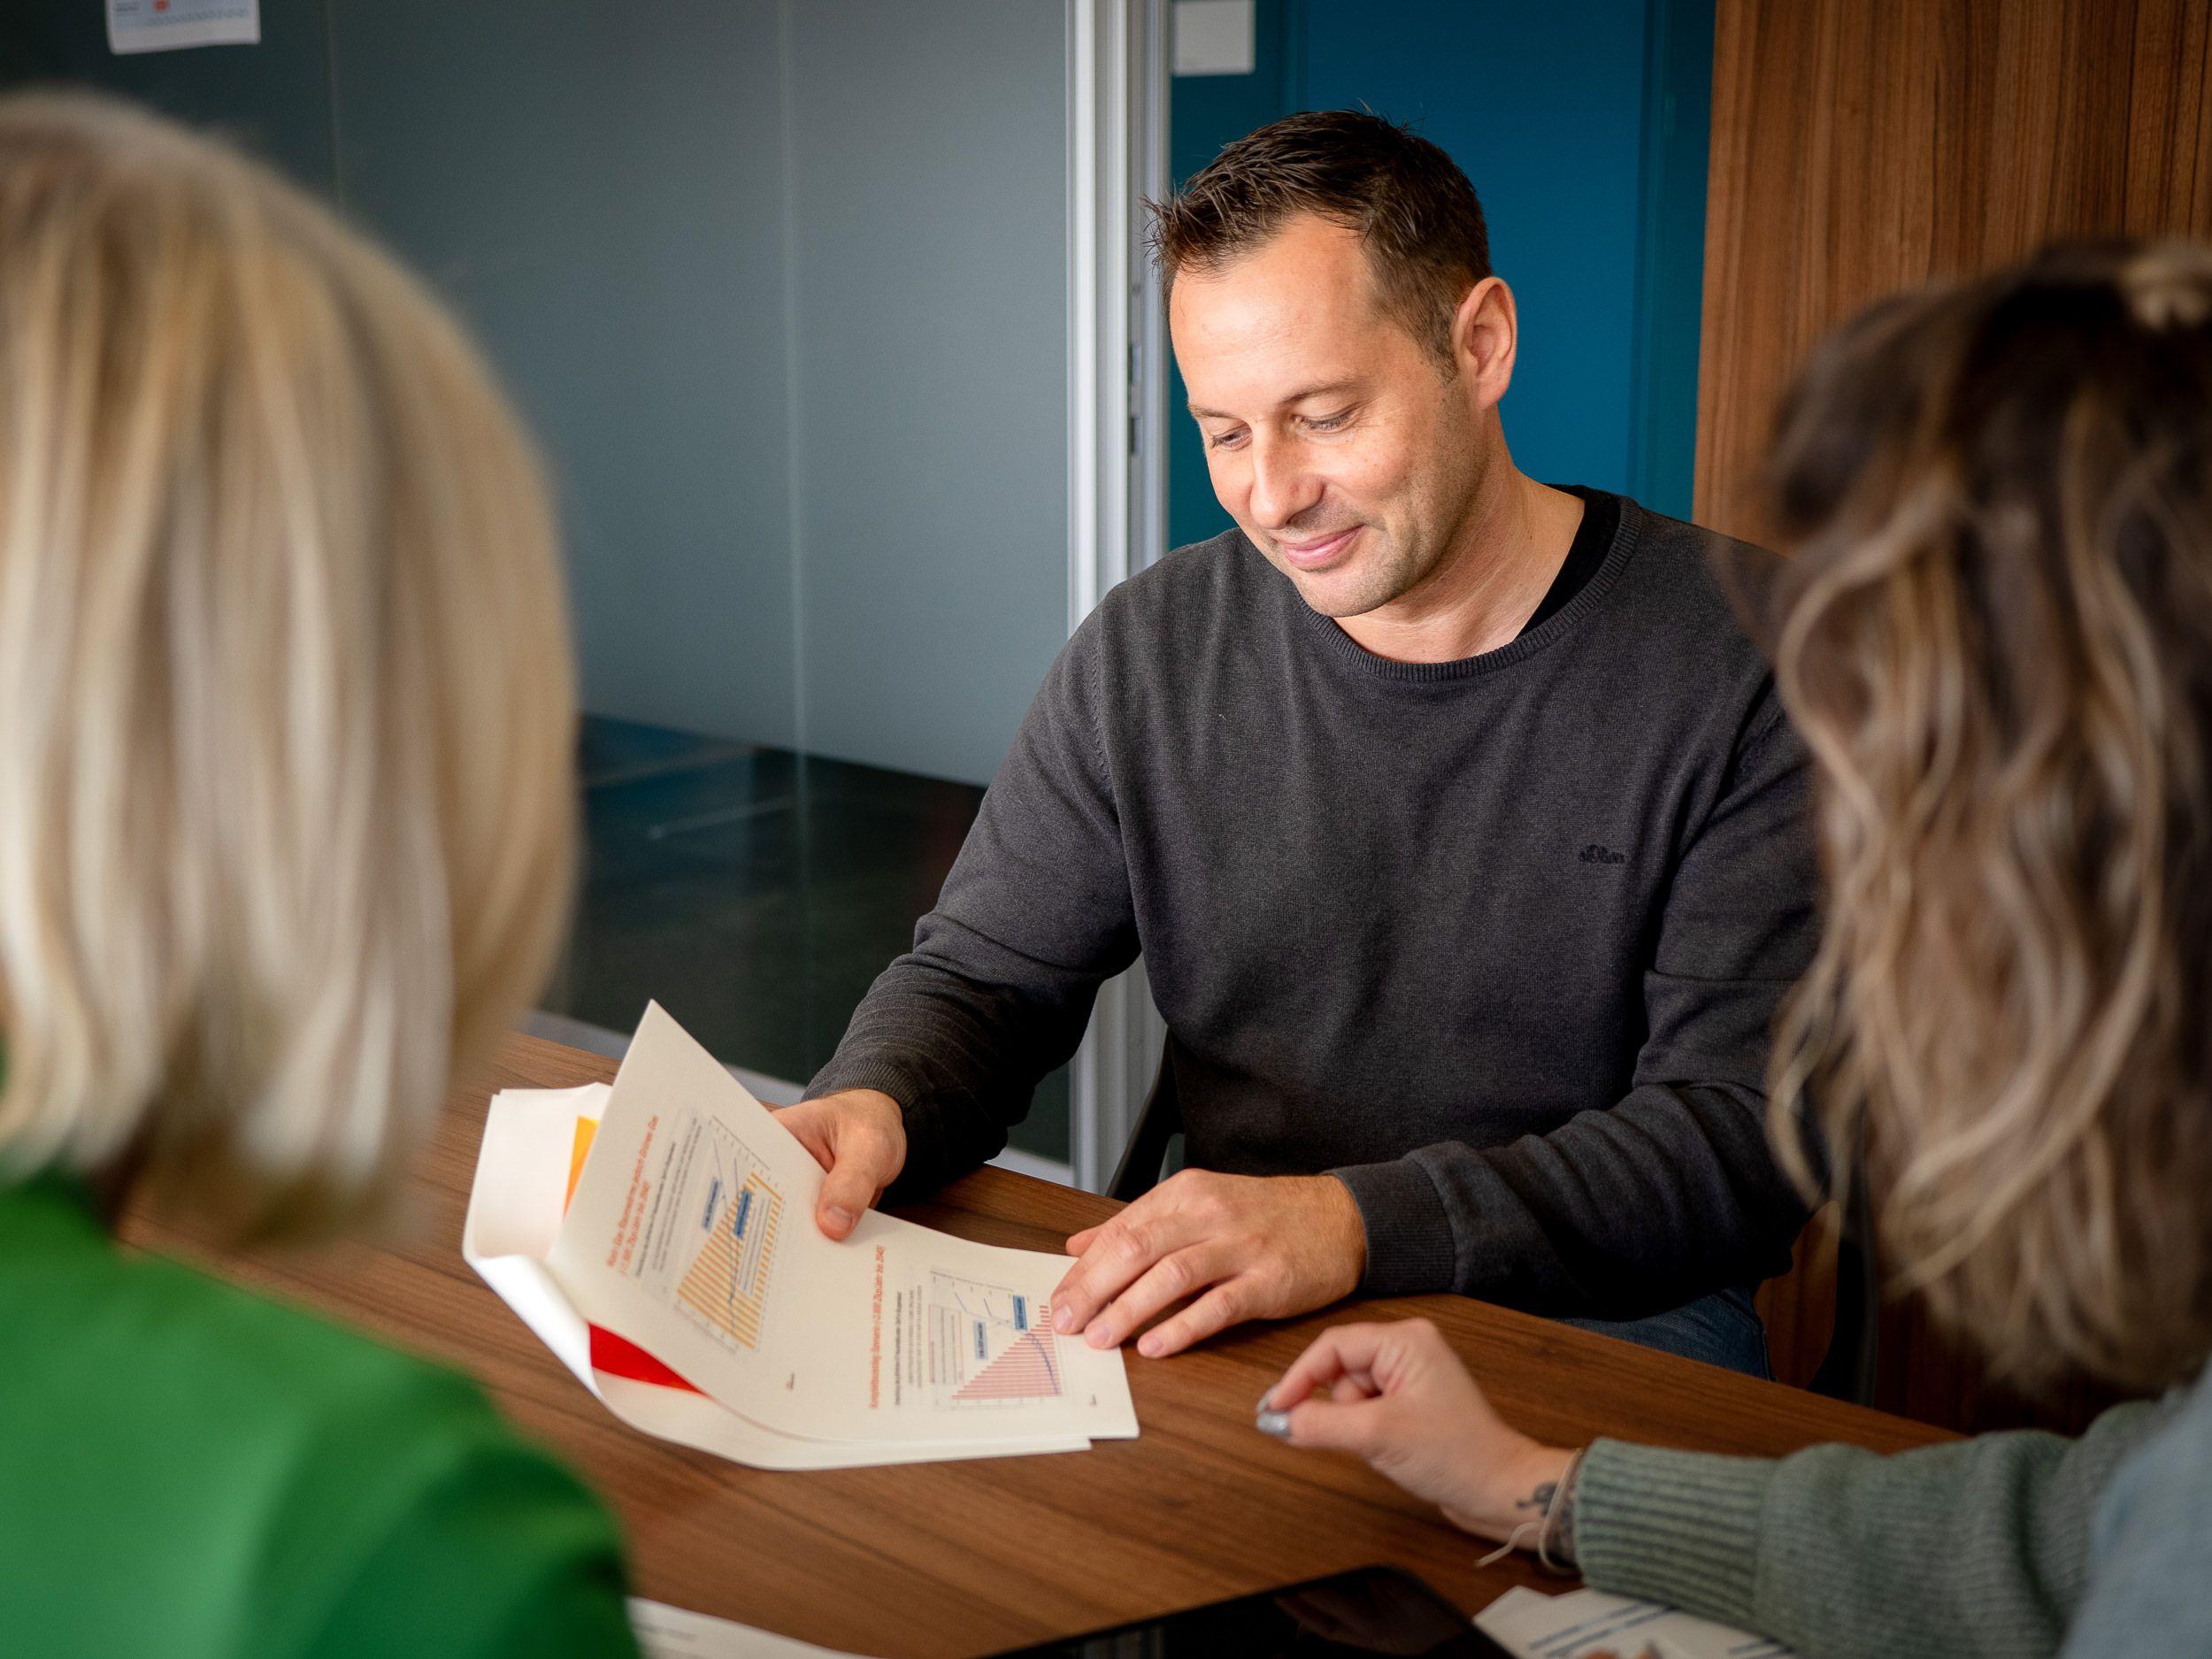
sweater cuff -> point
(1676, 1527)
(927, 1165)
(1409, 1245)
(865, 1071)
(883, 1076)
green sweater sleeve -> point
(1979, 1548)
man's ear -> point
(1485, 333)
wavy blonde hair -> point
(1997, 641)
(286, 720)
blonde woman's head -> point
(285, 708)
(1997, 641)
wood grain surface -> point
(973, 1557)
(1862, 146)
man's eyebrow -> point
(1323, 388)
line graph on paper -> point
(989, 1345)
(736, 1211)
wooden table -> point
(967, 1558)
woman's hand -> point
(1397, 1396)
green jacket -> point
(189, 1470)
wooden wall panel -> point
(1862, 146)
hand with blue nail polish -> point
(1396, 1395)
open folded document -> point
(659, 1238)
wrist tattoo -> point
(1552, 1503)
(1541, 1499)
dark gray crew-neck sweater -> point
(1498, 941)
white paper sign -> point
(1214, 37)
(164, 26)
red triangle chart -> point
(1028, 1369)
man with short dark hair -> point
(1455, 818)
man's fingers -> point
(863, 1163)
(1121, 1250)
(855, 1181)
(845, 1195)
(1160, 1286)
(807, 1130)
(1341, 1350)
(1219, 1308)
(859, 1139)
(1081, 1242)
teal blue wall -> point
(1583, 128)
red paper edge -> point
(619, 1356)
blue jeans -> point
(1721, 1329)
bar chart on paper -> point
(989, 1345)
(725, 1287)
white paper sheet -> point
(164, 26)
(514, 1214)
(691, 1234)
(671, 1632)
(1532, 1626)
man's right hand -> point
(859, 1138)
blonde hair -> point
(1997, 641)
(286, 720)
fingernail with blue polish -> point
(1275, 1423)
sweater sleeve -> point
(1672, 1192)
(1949, 1551)
(1034, 917)
(2152, 1546)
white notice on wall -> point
(1214, 37)
(163, 26)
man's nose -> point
(1283, 485)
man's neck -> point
(1483, 592)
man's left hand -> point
(1244, 1246)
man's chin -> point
(1338, 594)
